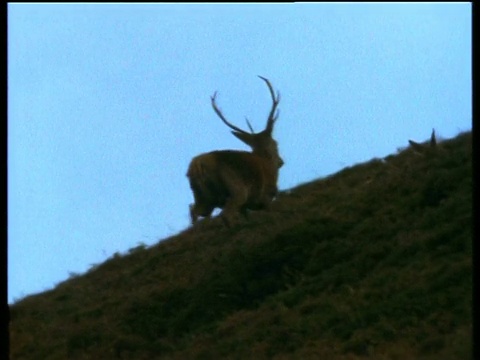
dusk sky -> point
(108, 103)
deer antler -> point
(250, 126)
(272, 117)
(433, 139)
(220, 115)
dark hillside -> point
(372, 262)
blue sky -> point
(107, 104)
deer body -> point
(244, 180)
(236, 181)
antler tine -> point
(433, 139)
(220, 115)
(272, 117)
(250, 126)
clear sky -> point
(107, 104)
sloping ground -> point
(374, 261)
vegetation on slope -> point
(372, 261)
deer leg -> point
(230, 210)
(197, 210)
(266, 199)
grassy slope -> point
(374, 260)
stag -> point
(422, 148)
(237, 181)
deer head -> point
(262, 143)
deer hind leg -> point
(198, 209)
(203, 204)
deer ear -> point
(245, 137)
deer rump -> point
(218, 176)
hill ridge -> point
(374, 260)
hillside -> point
(372, 262)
